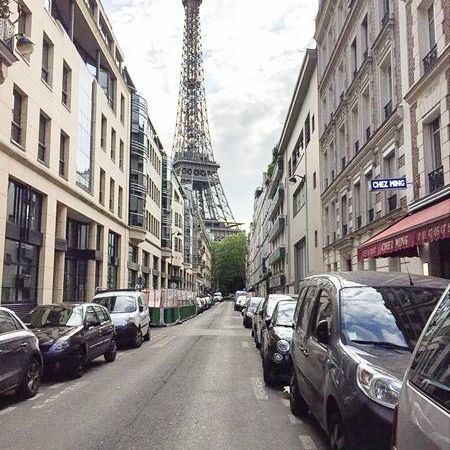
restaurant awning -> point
(403, 237)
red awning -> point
(428, 225)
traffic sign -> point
(388, 183)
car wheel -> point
(31, 380)
(267, 373)
(111, 354)
(336, 432)
(296, 401)
(147, 335)
(138, 339)
(258, 344)
(79, 364)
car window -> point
(91, 316)
(117, 303)
(299, 304)
(101, 314)
(284, 314)
(7, 323)
(139, 299)
(324, 310)
(58, 316)
(430, 369)
(305, 309)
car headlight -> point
(59, 346)
(379, 386)
(283, 346)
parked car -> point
(71, 334)
(276, 362)
(200, 306)
(218, 297)
(266, 313)
(423, 411)
(129, 314)
(255, 318)
(249, 311)
(240, 303)
(353, 337)
(20, 358)
(236, 297)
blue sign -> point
(388, 183)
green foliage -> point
(228, 264)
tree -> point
(228, 264)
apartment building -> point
(299, 145)
(361, 127)
(64, 140)
(423, 236)
(144, 255)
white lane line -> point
(295, 420)
(258, 389)
(162, 342)
(245, 344)
(35, 397)
(307, 442)
(55, 397)
(7, 410)
(56, 386)
(285, 402)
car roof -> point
(67, 305)
(130, 293)
(373, 278)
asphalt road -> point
(194, 386)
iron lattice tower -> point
(193, 158)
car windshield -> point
(254, 302)
(63, 316)
(386, 316)
(285, 314)
(118, 303)
(273, 301)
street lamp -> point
(293, 179)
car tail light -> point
(394, 429)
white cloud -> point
(252, 58)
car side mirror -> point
(268, 320)
(141, 308)
(323, 332)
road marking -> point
(7, 410)
(245, 344)
(55, 397)
(294, 420)
(307, 442)
(285, 402)
(162, 342)
(56, 386)
(35, 397)
(258, 389)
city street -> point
(194, 386)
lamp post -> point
(293, 179)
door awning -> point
(403, 237)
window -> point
(365, 38)
(357, 205)
(113, 263)
(17, 134)
(47, 60)
(101, 197)
(99, 238)
(145, 259)
(430, 367)
(386, 87)
(369, 197)
(103, 133)
(305, 309)
(316, 239)
(113, 144)
(307, 130)
(435, 133)
(431, 29)
(314, 180)
(313, 124)
(133, 254)
(24, 24)
(66, 84)
(63, 154)
(355, 129)
(112, 189)
(122, 108)
(344, 215)
(324, 310)
(385, 10)
(7, 323)
(299, 199)
(119, 202)
(121, 155)
(354, 57)
(44, 135)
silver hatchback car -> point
(423, 413)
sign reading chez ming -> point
(388, 183)
(427, 233)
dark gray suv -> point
(353, 336)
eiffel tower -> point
(193, 158)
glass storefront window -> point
(75, 277)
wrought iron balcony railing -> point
(7, 33)
(436, 179)
(430, 59)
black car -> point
(71, 335)
(20, 358)
(249, 311)
(275, 352)
(353, 337)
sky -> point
(252, 49)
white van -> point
(129, 313)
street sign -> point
(388, 183)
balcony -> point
(7, 32)
(277, 228)
(276, 255)
(388, 110)
(392, 202)
(436, 179)
(430, 59)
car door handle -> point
(25, 344)
(303, 349)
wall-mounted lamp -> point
(24, 45)
(293, 179)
